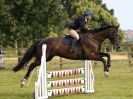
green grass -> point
(10, 52)
(119, 85)
(9, 84)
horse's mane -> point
(101, 29)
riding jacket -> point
(78, 23)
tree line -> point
(24, 21)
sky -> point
(123, 12)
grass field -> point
(118, 86)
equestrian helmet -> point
(88, 13)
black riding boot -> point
(74, 42)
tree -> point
(24, 21)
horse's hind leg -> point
(31, 67)
(49, 57)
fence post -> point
(44, 76)
(88, 77)
(2, 59)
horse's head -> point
(108, 32)
(114, 37)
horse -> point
(90, 48)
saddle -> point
(67, 40)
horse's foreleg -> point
(106, 68)
(104, 63)
(31, 67)
(99, 57)
(108, 58)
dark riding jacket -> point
(78, 23)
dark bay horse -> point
(90, 45)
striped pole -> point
(61, 73)
(65, 82)
(64, 91)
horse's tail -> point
(27, 57)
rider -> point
(78, 23)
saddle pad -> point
(67, 40)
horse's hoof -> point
(22, 83)
(106, 74)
